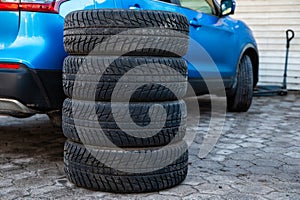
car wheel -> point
(242, 98)
(156, 79)
(130, 32)
(101, 129)
(128, 170)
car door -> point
(165, 5)
(213, 43)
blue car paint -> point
(38, 41)
(72, 5)
(38, 47)
(9, 28)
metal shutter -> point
(269, 19)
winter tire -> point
(93, 123)
(147, 78)
(128, 170)
(131, 32)
(242, 98)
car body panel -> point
(9, 28)
(34, 45)
(73, 5)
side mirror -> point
(227, 7)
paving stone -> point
(194, 180)
(252, 188)
(280, 186)
(252, 144)
(291, 161)
(225, 152)
(267, 163)
(263, 170)
(234, 171)
(199, 196)
(9, 167)
(237, 163)
(218, 158)
(23, 174)
(256, 157)
(207, 165)
(159, 197)
(227, 146)
(243, 156)
(21, 161)
(236, 136)
(293, 154)
(243, 196)
(5, 182)
(283, 196)
(32, 183)
(52, 190)
(12, 193)
(274, 149)
(54, 172)
(215, 189)
(270, 156)
(182, 191)
(222, 179)
(256, 140)
(291, 168)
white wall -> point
(269, 19)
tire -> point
(149, 78)
(101, 128)
(242, 98)
(128, 170)
(131, 32)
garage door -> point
(269, 19)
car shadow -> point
(30, 137)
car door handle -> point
(135, 7)
(195, 23)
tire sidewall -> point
(241, 99)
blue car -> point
(32, 51)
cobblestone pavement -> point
(257, 157)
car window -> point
(177, 2)
(199, 5)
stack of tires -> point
(124, 118)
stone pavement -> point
(257, 157)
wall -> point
(269, 19)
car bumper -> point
(26, 90)
(213, 86)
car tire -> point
(93, 123)
(242, 98)
(156, 79)
(127, 170)
(131, 32)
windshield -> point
(205, 6)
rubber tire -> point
(242, 98)
(96, 78)
(132, 32)
(89, 129)
(84, 170)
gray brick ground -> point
(257, 157)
